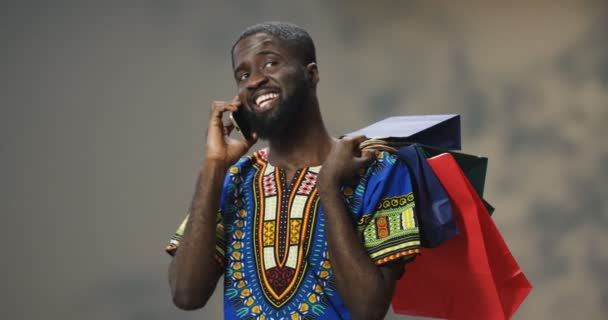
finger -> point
(361, 164)
(358, 139)
(236, 101)
(253, 140)
(365, 158)
(228, 127)
(219, 107)
(355, 140)
(215, 106)
(369, 154)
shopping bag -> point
(433, 207)
(474, 168)
(473, 275)
(441, 131)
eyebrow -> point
(265, 52)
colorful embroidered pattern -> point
(220, 239)
(278, 237)
(391, 230)
(271, 236)
(281, 262)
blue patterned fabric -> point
(272, 242)
(437, 221)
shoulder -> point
(384, 164)
(239, 175)
(386, 176)
(244, 166)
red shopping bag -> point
(471, 276)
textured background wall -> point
(104, 105)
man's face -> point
(271, 82)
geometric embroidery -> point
(308, 183)
(407, 218)
(273, 245)
(381, 227)
(323, 287)
(268, 233)
(394, 222)
(395, 202)
(283, 216)
(392, 231)
(270, 188)
(294, 231)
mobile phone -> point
(240, 124)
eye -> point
(242, 76)
(270, 64)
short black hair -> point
(296, 38)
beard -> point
(275, 123)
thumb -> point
(253, 140)
(366, 158)
(369, 154)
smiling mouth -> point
(264, 102)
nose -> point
(256, 79)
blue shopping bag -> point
(435, 212)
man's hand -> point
(194, 273)
(220, 146)
(344, 163)
(350, 261)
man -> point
(309, 228)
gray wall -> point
(104, 106)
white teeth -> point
(263, 99)
(264, 104)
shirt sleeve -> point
(220, 239)
(220, 234)
(388, 225)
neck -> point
(305, 144)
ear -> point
(312, 72)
